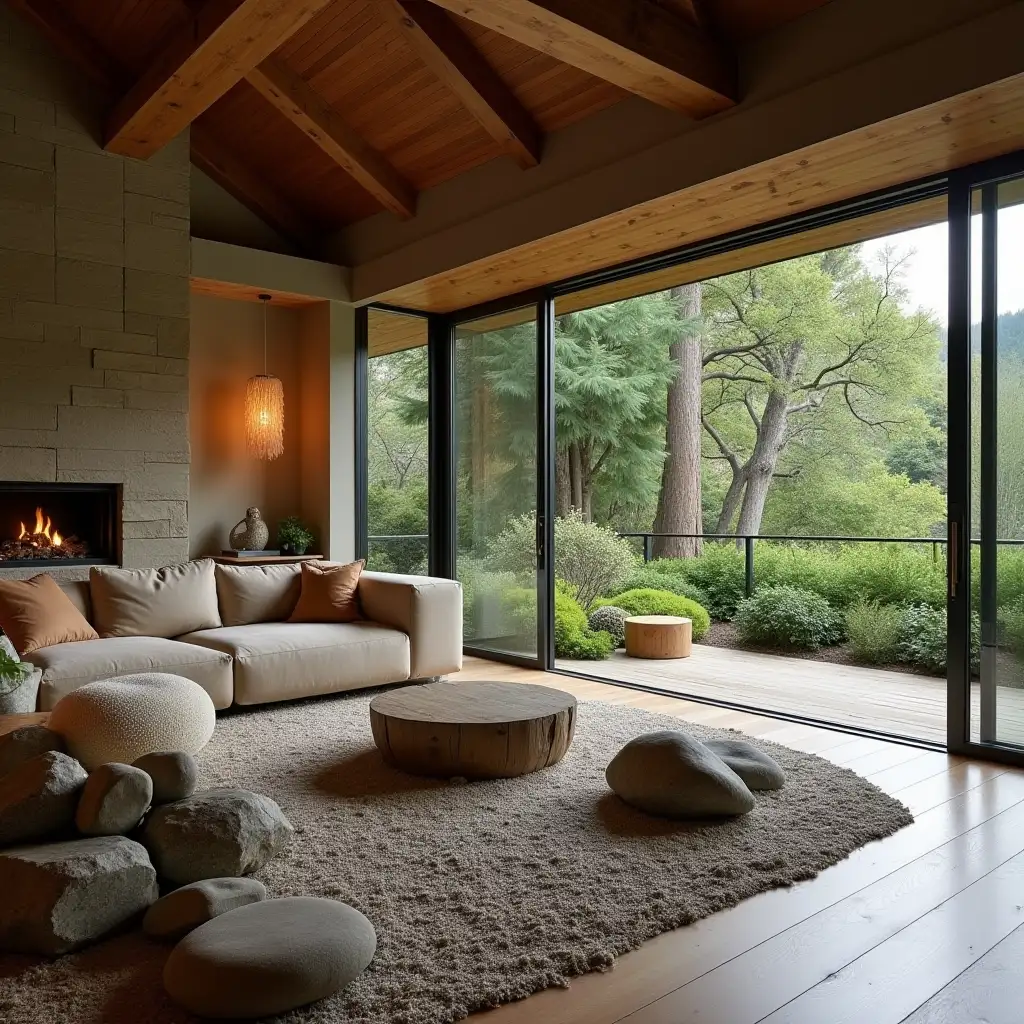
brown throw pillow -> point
(328, 592)
(37, 613)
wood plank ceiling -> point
(319, 113)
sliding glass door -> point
(498, 458)
(987, 466)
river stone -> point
(61, 896)
(671, 774)
(114, 800)
(174, 774)
(215, 834)
(29, 741)
(752, 765)
(177, 913)
(38, 799)
(270, 957)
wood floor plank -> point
(891, 980)
(751, 986)
(989, 991)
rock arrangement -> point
(83, 854)
(672, 775)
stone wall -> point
(94, 300)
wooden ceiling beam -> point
(306, 109)
(207, 57)
(636, 44)
(453, 58)
(207, 152)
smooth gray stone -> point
(753, 766)
(673, 775)
(270, 957)
(29, 741)
(61, 896)
(114, 800)
(177, 913)
(38, 799)
(175, 774)
(215, 834)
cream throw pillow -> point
(257, 593)
(154, 602)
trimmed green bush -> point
(660, 602)
(610, 620)
(718, 572)
(653, 577)
(1012, 620)
(873, 631)
(573, 637)
(788, 617)
(923, 639)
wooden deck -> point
(867, 698)
(925, 927)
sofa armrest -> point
(427, 608)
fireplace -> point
(59, 524)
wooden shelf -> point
(263, 559)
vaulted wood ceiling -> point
(319, 113)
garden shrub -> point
(610, 620)
(660, 602)
(719, 572)
(653, 577)
(484, 599)
(923, 639)
(1012, 620)
(788, 617)
(573, 637)
(873, 631)
(590, 559)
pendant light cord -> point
(264, 299)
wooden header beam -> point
(209, 56)
(293, 96)
(453, 58)
(636, 44)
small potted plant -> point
(292, 537)
(19, 682)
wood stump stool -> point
(658, 636)
(482, 730)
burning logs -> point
(44, 541)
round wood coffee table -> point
(658, 636)
(482, 730)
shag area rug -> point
(481, 893)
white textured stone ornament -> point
(123, 718)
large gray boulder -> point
(215, 834)
(752, 765)
(29, 741)
(114, 800)
(61, 896)
(177, 913)
(175, 774)
(270, 957)
(672, 775)
(38, 799)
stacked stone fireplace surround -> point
(94, 303)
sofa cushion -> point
(37, 613)
(284, 660)
(68, 666)
(257, 593)
(154, 602)
(328, 592)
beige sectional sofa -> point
(224, 627)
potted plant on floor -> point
(292, 537)
(19, 682)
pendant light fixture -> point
(264, 407)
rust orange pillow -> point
(328, 592)
(37, 613)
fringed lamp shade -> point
(264, 416)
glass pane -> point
(397, 443)
(496, 460)
(999, 598)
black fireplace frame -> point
(112, 542)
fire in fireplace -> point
(43, 540)
(58, 524)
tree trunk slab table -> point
(482, 730)
(658, 636)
